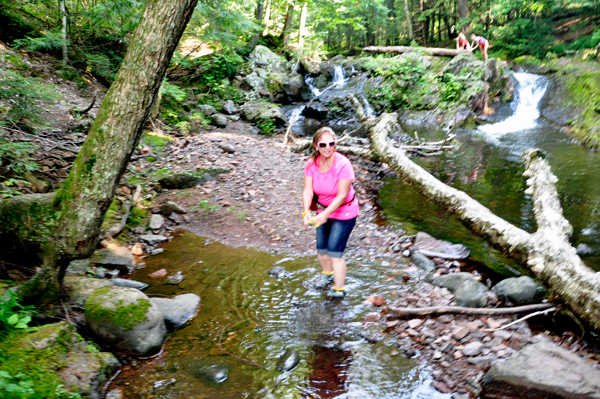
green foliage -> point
(15, 387)
(13, 315)
(50, 41)
(172, 91)
(155, 140)
(266, 125)
(15, 161)
(21, 98)
(450, 87)
(203, 204)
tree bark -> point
(302, 24)
(463, 13)
(258, 17)
(289, 15)
(547, 252)
(267, 18)
(79, 207)
(408, 21)
(65, 53)
(442, 52)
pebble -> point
(503, 334)
(460, 332)
(492, 323)
(414, 323)
(472, 349)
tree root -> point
(118, 227)
(437, 310)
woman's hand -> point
(319, 220)
(306, 216)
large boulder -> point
(59, 355)
(262, 56)
(423, 262)
(542, 371)
(126, 319)
(462, 62)
(78, 288)
(453, 281)
(285, 87)
(114, 258)
(192, 178)
(260, 110)
(476, 95)
(517, 290)
(179, 309)
(472, 294)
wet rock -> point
(429, 246)
(441, 387)
(156, 222)
(126, 319)
(111, 274)
(175, 279)
(453, 281)
(114, 258)
(471, 293)
(423, 262)
(206, 109)
(159, 273)
(121, 282)
(171, 207)
(543, 370)
(473, 348)
(288, 360)
(372, 318)
(178, 310)
(229, 107)
(278, 272)
(114, 394)
(156, 251)
(78, 267)
(153, 239)
(158, 385)
(177, 218)
(215, 373)
(315, 110)
(517, 291)
(79, 288)
(219, 120)
(375, 300)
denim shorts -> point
(332, 237)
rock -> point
(584, 250)
(38, 185)
(79, 288)
(460, 63)
(423, 262)
(153, 239)
(175, 279)
(492, 70)
(503, 335)
(260, 110)
(191, 179)
(214, 373)
(79, 267)
(156, 222)
(476, 95)
(473, 348)
(414, 323)
(227, 148)
(262, 56)
(517, 290)
(315, 110)
(163, 383)
(177, 218)
(229, 107)
(453, 281)
(460, 332)
(429, 246)
(121, 282)
(137, 249)
(206, 109)
(312, 68)
(471, 293)
(288, 360)
(159, 273)
(171, 207)
(78, 364)
(375, 300)
(441, 387)
(178, 310)
(220, 120)
(114, 258)
(543, 370)
(126, 319)
(157, 251)
(114, 394)
(278, 272)
(111, 274)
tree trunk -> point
(267, 18)
(79, 207)
(302, 28)
(65, 53)
(408, 21)
(258, 15)
(547, 252)
(289, 15)
(442, 52)
(349, 30)
(463, 13)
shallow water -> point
(257, 317)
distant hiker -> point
(482, 43)
(328, 177)
(462, 43)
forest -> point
(151, 156)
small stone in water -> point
(288, 360)
(175, 279)
(164, 383)
(159, 273)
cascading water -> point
(531, 89)
(368, 109)
(310, 82)
(339, 79)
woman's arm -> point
(343, 189)
(307, 196)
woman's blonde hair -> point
(326, 130)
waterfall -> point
(338, 76)
(310, 82)
(368, 109)
(295, 115)
(530, 90)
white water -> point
(339, 79)
(295, 115)
(530, 90)
(368, 109)
(310, 82)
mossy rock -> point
(126, 319)
(191, 179)
(56, 361)
(79, 288)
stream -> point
(257, 316)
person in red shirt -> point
(462, 43)
(482, 43)
(329, 176)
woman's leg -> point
(338, 238)
(326, 263)
(324, 259)
(339, 272)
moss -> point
(124, 316)
(156, 140)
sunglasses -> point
(323, 145)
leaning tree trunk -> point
(302, 28)
(547, 252)
(258, 14)
(289, 15)
(441, 52)
(78, 208)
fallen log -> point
(437, 310)
(440, 52)
(547, 252)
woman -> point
(482, 43)
(329, 175)
(462, 43)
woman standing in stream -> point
(328, 178)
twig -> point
(576, 320)
(542, 312)
(431, 310)
(245, 361)
(67, 313)
(85, 111)
(109, 382)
